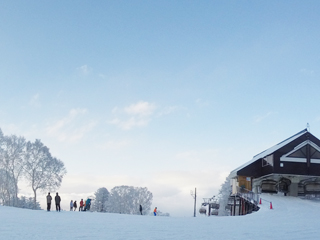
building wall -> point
(296, 167)
(260, 167)
(245, 181)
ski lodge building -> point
(291, 167)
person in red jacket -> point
(81, 205)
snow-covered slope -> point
(291, 218)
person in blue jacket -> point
(88, 203)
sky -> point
(168, 95)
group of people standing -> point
(57, 200)
(84, 205)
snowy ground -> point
(291, 218)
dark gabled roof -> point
(268, 151)
(280, 143)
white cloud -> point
(140, 108)
(34, 101)
(130, 123)
(167, 110)
(135, 115)
(102, 76)
(260, 118)
(201, 103)
(198, 157)
(188, 156)
(138, 114)
(10, 128)
(307, 72)
(134, 122)
(112, 144)
(84, 70)
(72, 127)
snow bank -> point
(291, 218)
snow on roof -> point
(268, 151)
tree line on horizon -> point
(27, 161)
(123, 200)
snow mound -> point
(290, 218)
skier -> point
(75, 205)
(71, 205)
(57, 199)
(140, 208)
(81, 205)
(49, 198)
(155, 211)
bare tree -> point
(6, 188)
(42, 171)
(33, 161)
(12, 162)
(1, 141)
(4, 176)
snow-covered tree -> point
(28, 203)
(127, 199)
(42, 171)
(162, 214)
(6, 188)
(224, 194)
(100, 204)
(32, 161)
(12, 161)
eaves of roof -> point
(268, 152)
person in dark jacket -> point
(140, 208)
(57, 199)
(49, 198)
(75, 205)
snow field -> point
(291, 218)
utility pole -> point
(195, 200)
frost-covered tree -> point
(127, 199)
(28, 203)
(6, 188)
(162, 214)
(1, 142)
(101, 196)
(12, 161)
(224, 194)
(32, 161)
(42, 171)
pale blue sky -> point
(170, 95)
